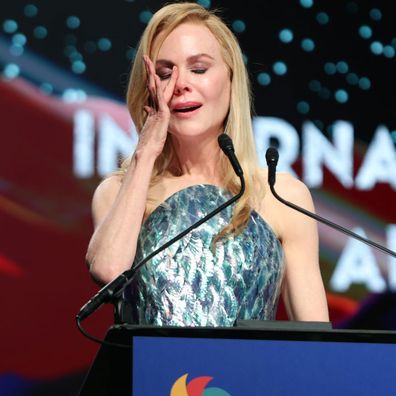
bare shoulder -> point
(104, 196)
(293, 189)
(287, 186)
(286, 222)
(107, 188)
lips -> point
(186, 107)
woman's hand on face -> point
(155, 129)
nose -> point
(182, 84)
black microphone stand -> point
(130, 274)
(272, 160)
(115, 288)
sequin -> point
(191, 284)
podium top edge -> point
(300, 331)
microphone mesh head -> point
(225, 142)
(272, 156)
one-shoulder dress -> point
(195, 282)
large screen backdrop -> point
(324, 87)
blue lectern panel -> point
(220, 367)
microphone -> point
(114, 288)
(272, 157)
(226, 145)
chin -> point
(193, 129)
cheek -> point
(224, 97)
(218, 91)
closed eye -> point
(164, 76)
(199, 71)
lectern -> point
(246, 360)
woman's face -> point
(201, 97)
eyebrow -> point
(190, 59)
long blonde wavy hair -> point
(238, 122)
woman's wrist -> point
(146, 154)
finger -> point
(150, 80)
(160, 95)
(170, 87)
(148, 110)
(146, 66)
(150, 65)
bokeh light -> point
(30, 10)
(307, 45)
(11, 71)
(73, 22)
(264, 79)
(238, 26)
(286, 36)
(341, 96)
(322, 18)
(279, 68)
(10, 26)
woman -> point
(188, 85)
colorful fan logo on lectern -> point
(196, 387)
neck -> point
(198, 158)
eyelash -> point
(199, 71)
(195, 71)
(164, 76)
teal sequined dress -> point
(192, 284)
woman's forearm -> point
(113, 245)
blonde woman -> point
(188, 85)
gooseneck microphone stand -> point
(115, 288)
(272, 157)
